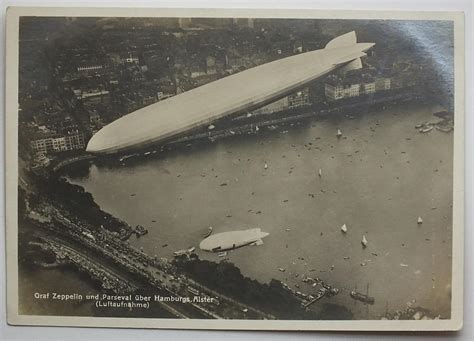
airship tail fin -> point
(350, 58)
(356, 64)
(347, 39)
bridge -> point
(71, 160)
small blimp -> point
(243, 91)
(232, 240)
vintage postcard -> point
(235, 169)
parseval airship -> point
(246, 90)
(233, 239)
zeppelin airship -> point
(232, 240)
(242, 91)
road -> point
(130, 269)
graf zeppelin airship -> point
(246, 90)
(232, 240)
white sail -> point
(266, 166)
(364, 241)
(420, 221)
(339, 132)
(344, 228)
(320, 173)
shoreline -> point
(133, 164)
(237, 125)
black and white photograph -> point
(235, 170)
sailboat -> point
(257, 128)
(344, 228)
(320, 173)
(266, 166)
(339, 133)
(420, 221)
(364, 241)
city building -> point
(41, 160)
(293, 101)
(88, 68)
(163, 95)
(129, 59)
(337, 88)
(382, 83)
(92, 95)
(299, 99)
(210, 65)
(58, 143)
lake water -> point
(377, 180)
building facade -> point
(58, 143)
(293, 101)
(337, 88)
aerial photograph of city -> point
(235, 168)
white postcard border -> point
(12, 178)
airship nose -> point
(98, 143)
(92, 145)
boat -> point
(211, 127)
(362, 297)
(208, 232)
(147, 153)
(184, 252)
(320, 172)
(426, 129)
(222, 254)
(420, 221)
(266, 166)
(257, 128)
(179, 253)
(281, 269)
(344, 228)
(444, 130)
(125, 157)
(140, 230)
(364, 241)
(339, 133)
